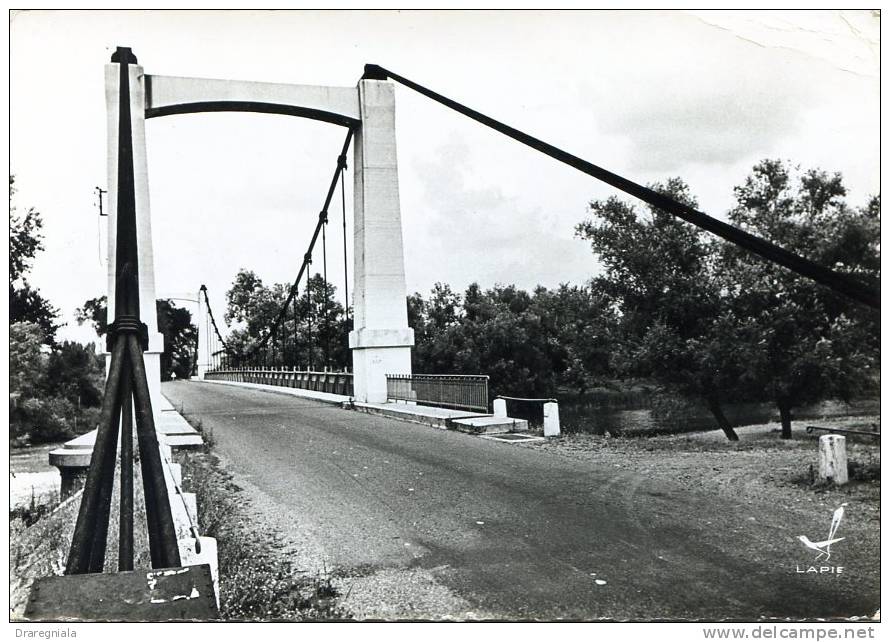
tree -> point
(39, 410)
(180, 338)
(529, 344)
(581, 323)
(95, 312)
(661, 276)
(26, 304)
(174, 323)
(76, 373)
(313, 333)
(804, 342)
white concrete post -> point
(833, 459)
(551, 419)
(147, 310)
(381, 341)
(203, 323)
(500, 408)
(190, 557)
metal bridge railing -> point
(461, 392)
(338, 383)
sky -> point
(646, 94)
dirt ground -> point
(759, 467)
(771, 478)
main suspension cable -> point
(869, 295)
(212, 319)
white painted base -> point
(500, 408)
(370, 367)
(188, 556)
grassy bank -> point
(257, 577)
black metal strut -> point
(127, 381)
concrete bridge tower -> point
(381, 340)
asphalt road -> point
(427, 523)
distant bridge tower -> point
(203, 323)
(381, 341)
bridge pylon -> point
(203, 323)
(147, 311)
(381, 340)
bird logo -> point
(823, 548)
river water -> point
(662, 415)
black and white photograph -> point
(445, 316)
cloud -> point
(474, 230)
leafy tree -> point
(529, 344)
(174, 323)
(39, 410)
(26, 304)
(180, 338)
(95, 312)
(76, 373)
(674, 321)
(582, 322)
(314, 332)
(26, 360)
(803, 342)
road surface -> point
(425, 523)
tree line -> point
(673, 305)
(55, 388)
(698, 316)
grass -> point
(256, 577)
(29, 514)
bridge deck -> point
(415, 413)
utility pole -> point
(101, 191)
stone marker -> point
(551, 419)
(500, 408)
(833, 459)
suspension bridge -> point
(380, 342)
